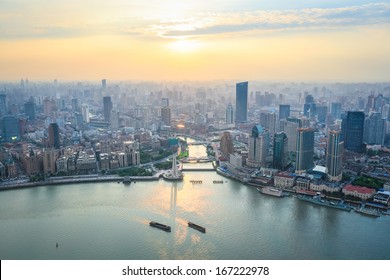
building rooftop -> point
(359, 189)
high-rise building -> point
(50, 157)
(258, 147)
(10, 129)
(374, 129)
(49, 106)
(85, 112)
(131, 150)
(104, 86)
(322, 112)
(75, 104)
(29, 109)
(290, 127)
(284, 111)
(268, 121)
(242, 102)
(309, 99)
(54, 136)
(334, 156)
(352, 130)
(114, 121)
(226, 144)
(305, 150)
(370, 102)
(336, 110)
(3, 105)
(166, 116)
(164, 102)
(280, 152)
(229, 119)
(107, 108)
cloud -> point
(126, 19)
(276, 20)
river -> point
(111, 221)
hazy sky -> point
(195, 40)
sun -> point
(184, 45)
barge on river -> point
(160, 226)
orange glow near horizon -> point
(177, 42)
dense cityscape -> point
(304, 138)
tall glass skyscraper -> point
(54, 136)
(305, 150)
(280, 152)
(10, 129)
(258, 147)
(284, 111)
(374, 129)
(353, 127)
(229, 114)
(107, 108)
(242, 102)
(3, 105)
(334, 155)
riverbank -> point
(75, 179)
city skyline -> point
(254, 40)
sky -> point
(263, 40)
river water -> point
(111, 221)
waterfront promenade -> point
(24, 183)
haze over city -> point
(195, 40)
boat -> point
(127, 180)
(369, 212)
(317, 199)
(160, 226)
(197, 227)
(271, 191)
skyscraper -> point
(229, 119)
(104, 86)
(54, 136)
(322, 112)
(85, 112)
(107, 108)
(334, 156)
(258, 147)
(242, 102)
(226, 144)
(353, 127)
(268, 121)
(336, 110)
(280, 152)
(75, 104)
(166, 116)
(10, 128)
(374, 129)
(290, 127)
(305, 150)
(284, 111)
(29, 109)
(3, 105)
(114, 121)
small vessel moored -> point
(197, 227)
(160, 226)
(271, 191)
(317, 199)
(369, 212)
(127, 180)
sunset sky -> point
(195, 40)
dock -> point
(197, 227)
